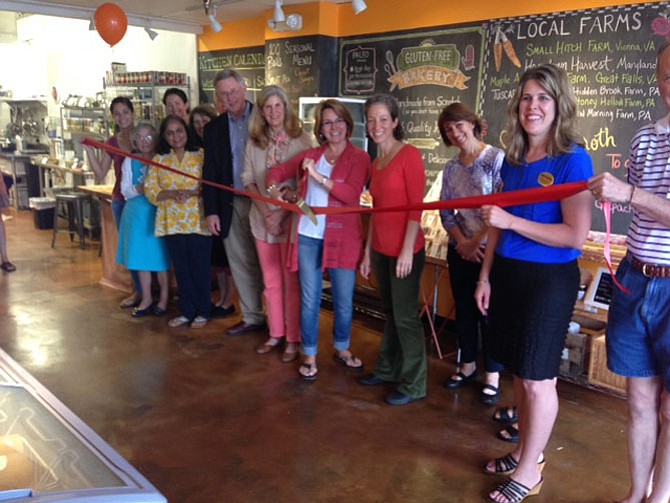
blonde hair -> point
(259, 130)
(564, 132)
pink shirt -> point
(400, 183)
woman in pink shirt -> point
(395, 246)
(334, 175)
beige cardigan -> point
(255, 171)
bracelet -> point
(271, 187)
(324, 180)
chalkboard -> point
(249, 61)
(297, 65)
(426, 71)
(600, 290)
(610, 56)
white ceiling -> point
(181, 15)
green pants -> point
(402, 357)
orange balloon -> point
(111, 23)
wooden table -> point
(114, 275)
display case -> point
(146, 90)
(356, 108)
(78, 122)
(48, 454)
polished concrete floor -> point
(205, 419)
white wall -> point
(63, 53)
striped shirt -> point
(648, 240)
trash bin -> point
(43, 211)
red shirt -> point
(343, 239)
(401, 182)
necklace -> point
(331, 158)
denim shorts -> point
(638, 326)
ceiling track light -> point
(152, 34)
(358, 6)
(279, 16)
(91, 24)
(213, 22)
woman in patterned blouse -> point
(180, 218)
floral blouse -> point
(173, 217)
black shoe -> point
(371, 380)
(159, 311)
(459, 379)
(244, 328)
(492, 398)
(398, 398)
(141, 313)
(221, 312)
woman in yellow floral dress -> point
(180, 219)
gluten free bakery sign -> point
(429, 63)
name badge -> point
(545, 179)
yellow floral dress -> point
(173, 217)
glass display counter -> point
(47, 454)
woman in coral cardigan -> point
(334, 175)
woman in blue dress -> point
(139, 249)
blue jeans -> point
(638, 326)
(310, 257)
(117, 211)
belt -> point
(650, 270)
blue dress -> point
(139, 248)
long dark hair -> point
(391, 105)
(163, 146)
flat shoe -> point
(159, 311)
(371, 380)
(459, 379)
(308, 371)
(269, 345)
(289, 356)
(348, 361)
(179, 321)
(199, 322)
(505, 415)
(490, 398)
(399, 398)
(8, 266)
(141, 313)
(129, 302)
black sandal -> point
(510, 434)
(506, 415)
(308, 371)
(8, 266)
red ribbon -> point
(501, 199)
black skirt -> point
(530, 309)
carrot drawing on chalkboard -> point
(497, 50)
(502, 43)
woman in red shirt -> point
(396, 247)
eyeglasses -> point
(228, 94)
(144, 137)
(336, 122)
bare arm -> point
(366, 263)
(571, 233)
(483, 291)
(607, 187)
(99, 161)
